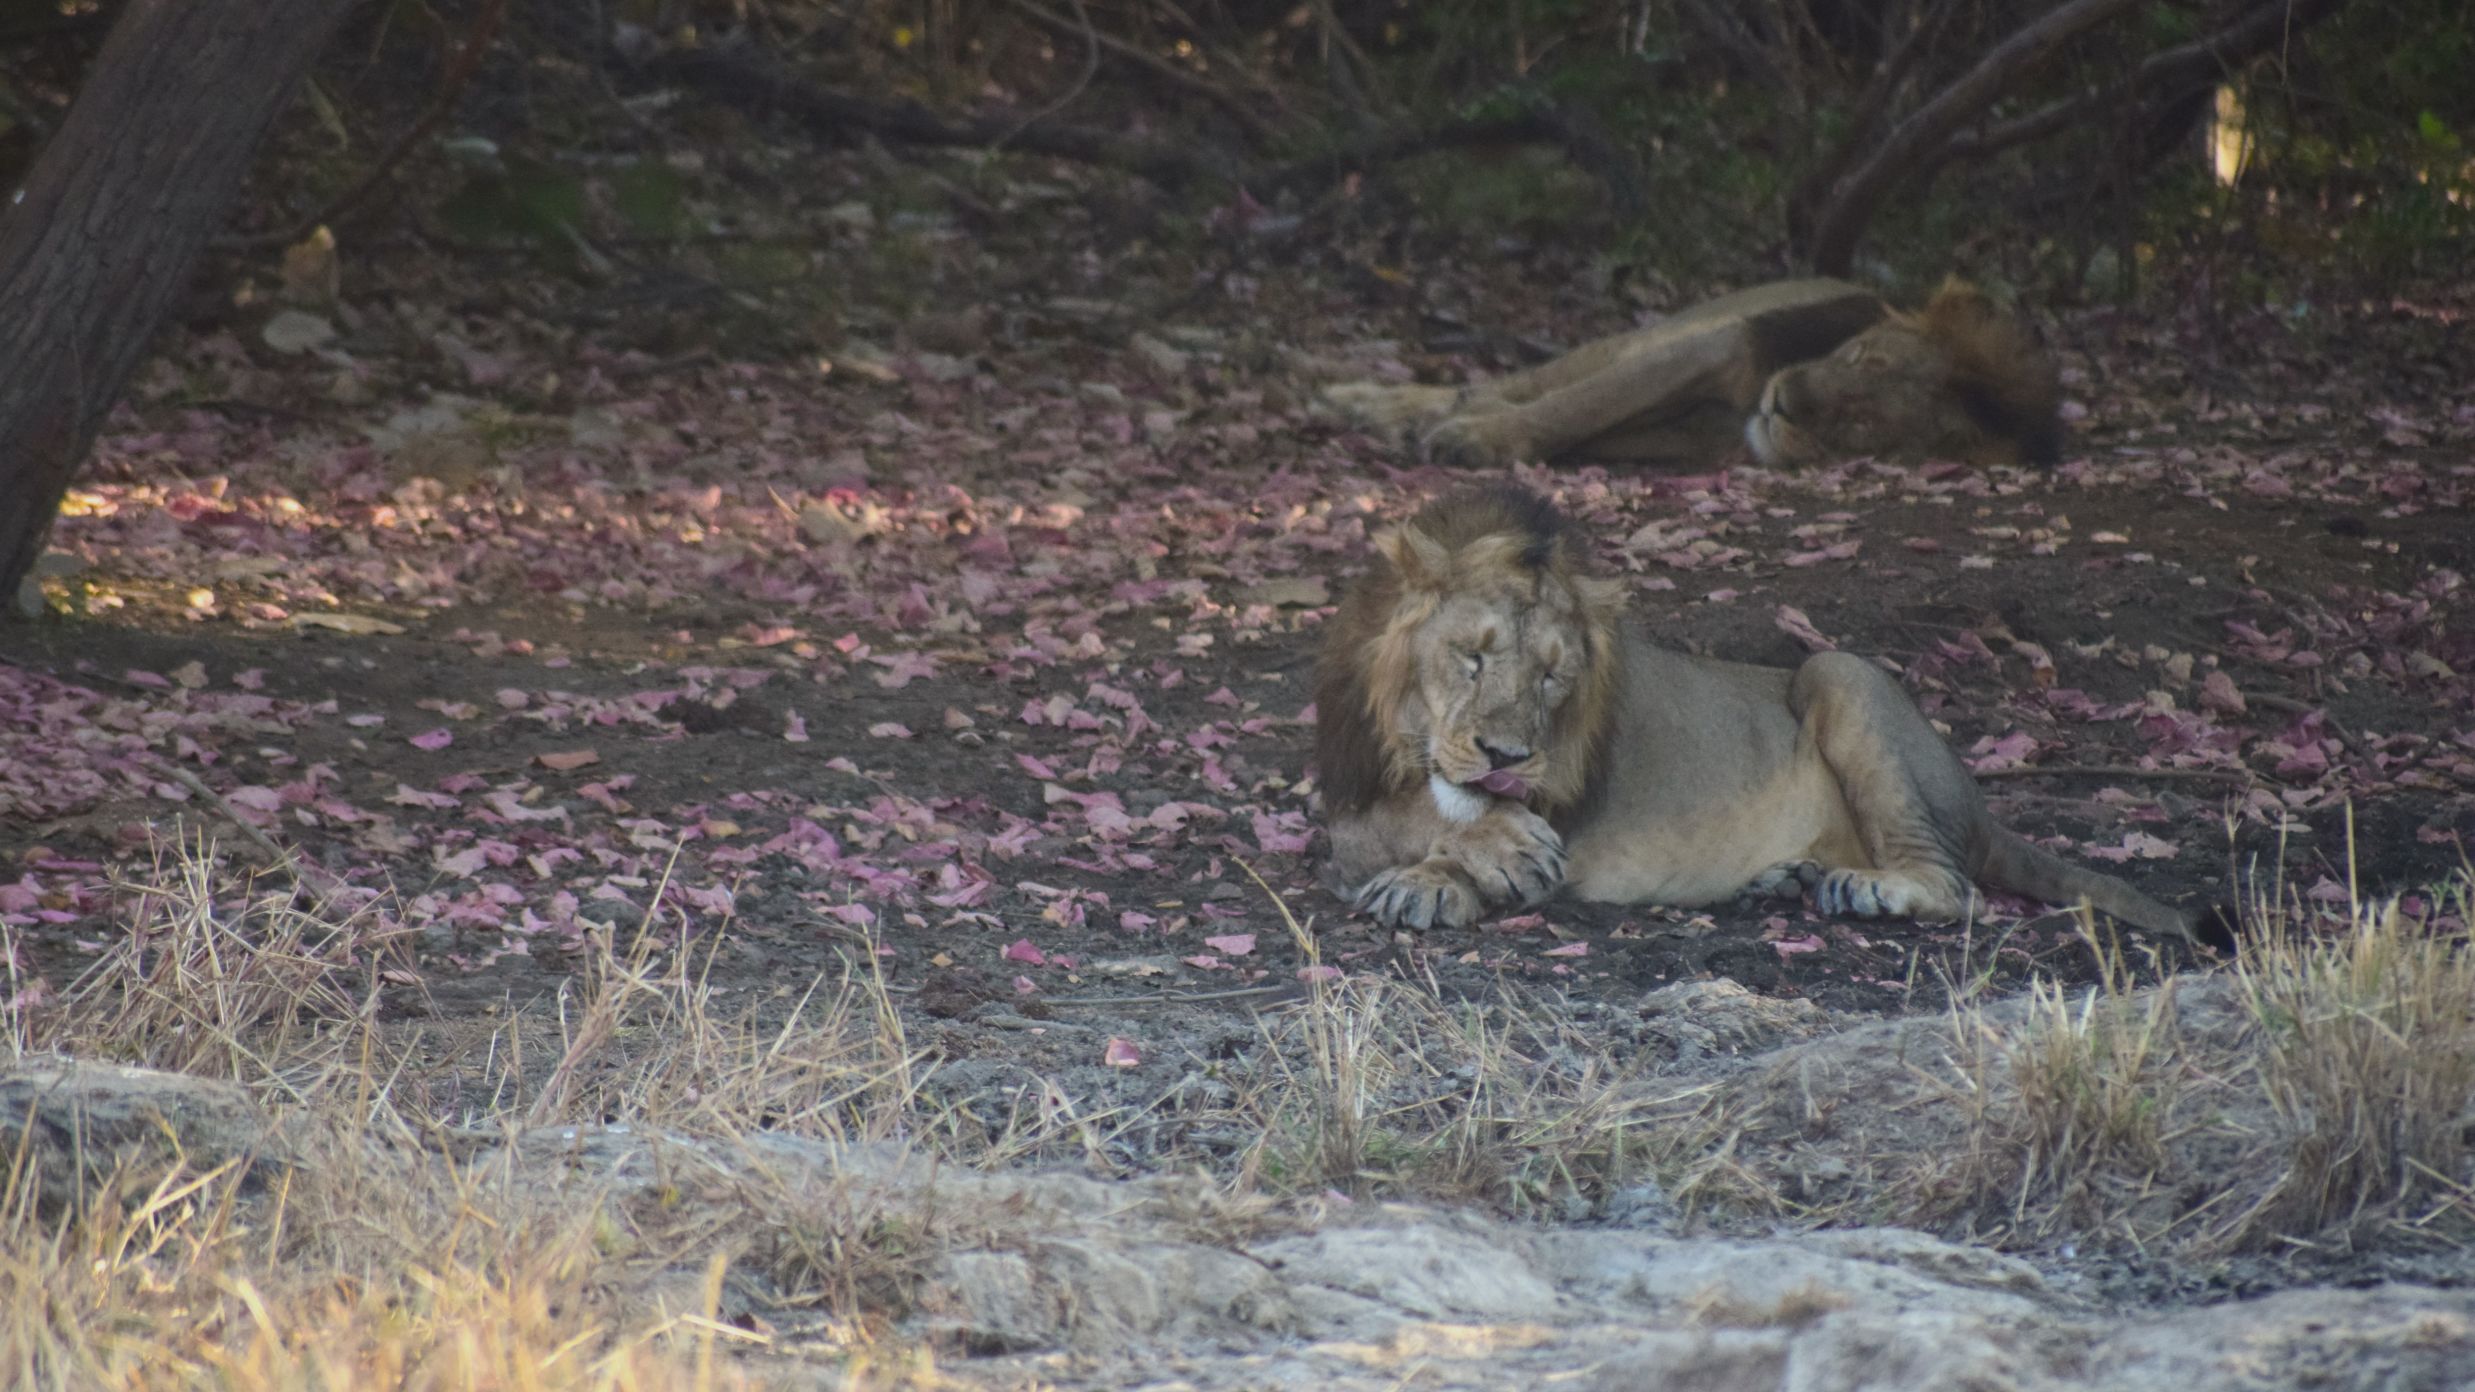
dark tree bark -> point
(103, 236)
(1918, 141)
(1832, 207)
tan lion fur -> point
(1802, 370)
(1490, 731)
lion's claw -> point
(1514, 846)
(1430, 894)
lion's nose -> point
(1502, 756)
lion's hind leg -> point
(1913, 808)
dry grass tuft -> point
(1377, 1085)
(2367, 1059)
(370, 1255)
(252, 988)
(2069, 1103)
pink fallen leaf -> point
(1570, 949)
(1793, 622)
(1121, 1053)
(1023, 950)
(564, 759)
(433, 739)
(795, 729)
(1025, 986)
(1840, 551)
(1789, 947)
(889, 729)
(1322, 973)
(256, 799)
(2136, 844)
(902, 668)
(2007, 752)
(1235, 944)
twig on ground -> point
(1180, 997)
(2161, 775)
(2353, 742)
(318, 882)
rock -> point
(79, 1124)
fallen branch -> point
(2155, 775)
(754, 81)
(1586, 147)
(317, 881)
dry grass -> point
(2315, 1096)
(373, 1258)
(404, 1240)
(1376, 1085)
(2070, 1102)
(2367, 1059)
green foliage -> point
(522, 200)
(651, 198)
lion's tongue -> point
(1506, 783)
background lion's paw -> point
(1430, 894)
(1385, 406)
(1474, 442)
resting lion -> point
(1489, 732)
(1800, 370)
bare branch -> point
(2201, 60)
(1916, 142)
(1150, 62)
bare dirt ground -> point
(981, 646)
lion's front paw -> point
(1475, 442)
(1511, 854)
(1431, 894)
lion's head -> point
(1958, 379)
(1479, 657)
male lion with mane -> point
(1489, 731)
(1801, 370)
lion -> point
(1490, 732)
(1802, 371)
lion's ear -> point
(1958, 304)
(1422, 561)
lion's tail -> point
(1379, 406)
(2013, 864)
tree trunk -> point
(103, 236)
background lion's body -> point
(1969, 382)
(1667, 778)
